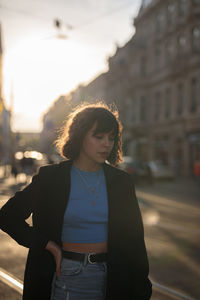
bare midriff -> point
(85, 247)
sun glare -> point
(42, 71)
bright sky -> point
(38, 67)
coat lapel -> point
(61, 186)
(63, 181)
(110, 180)
(111, 185)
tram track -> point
(16, 284)
(10, 280)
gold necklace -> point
(89, 188)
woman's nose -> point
(107, 142)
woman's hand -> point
(57, 254)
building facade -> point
(5, 130)
(154, 80)
(166, 85)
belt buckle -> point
(89, 260)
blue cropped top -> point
(86, 215)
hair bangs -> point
(106, 124)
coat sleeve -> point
(18, 208)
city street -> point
(171, 215)
(102, 81)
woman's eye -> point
(98, 137)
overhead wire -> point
(69, 26)
(96, 19)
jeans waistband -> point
(91, 258)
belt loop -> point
(85, 260)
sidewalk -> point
(9, 186)
(184, 189)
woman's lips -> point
(104, 154)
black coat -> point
(46, 198)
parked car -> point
(160, 171)
(140, 170)
(30, 161)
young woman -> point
(87, 239)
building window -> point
(130, 111)
(159, 22)
(157, 59)
(121, 62)
(157, 106)
(143, 66)
(196, 39)
(167, 103)
(170, 12)
(181, 43)
(195, 2)
(169, 51)
(182, 7)
(180, 99)
(193, 105)
(143, 108)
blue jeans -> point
(80, 281)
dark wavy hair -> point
(80, 121)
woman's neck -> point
(86, 165)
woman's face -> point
(96, 147)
